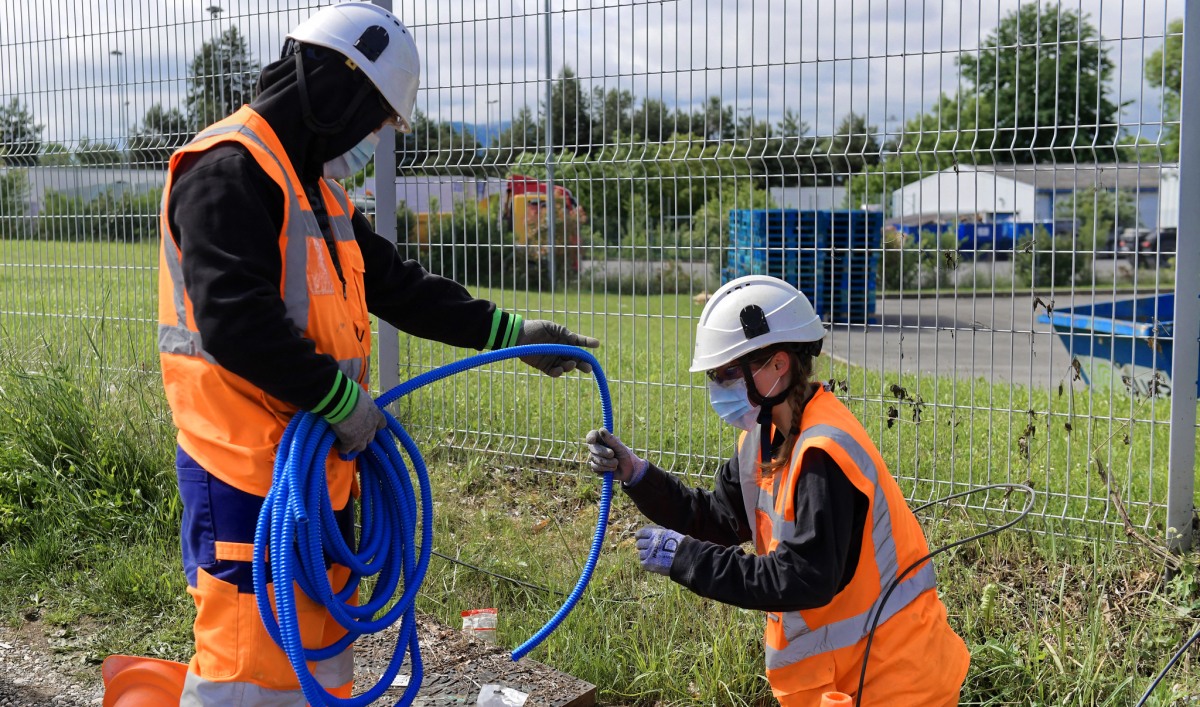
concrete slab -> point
(968, 336)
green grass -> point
(88, 511)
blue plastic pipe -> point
(297, 529)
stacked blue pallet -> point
(780, 243)
(851, 274)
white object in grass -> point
(496, 696)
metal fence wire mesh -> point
(982, 199)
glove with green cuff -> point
(352, 415)
(514, 330)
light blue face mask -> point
(730, 402)
(349, 164)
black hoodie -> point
(226, 215)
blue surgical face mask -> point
(349, 164)
(730, 401)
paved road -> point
(997, 338)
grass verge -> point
(87, 542)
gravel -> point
(42, 666)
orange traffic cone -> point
(142, 682)
(829, 699)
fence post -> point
(385, 225)
(1186, 347)
(550, 212)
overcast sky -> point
(481, 61)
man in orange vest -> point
(267, 277)
(808, 488)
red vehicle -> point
(522, 210)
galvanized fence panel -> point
(976, 192)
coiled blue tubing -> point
(298, 528)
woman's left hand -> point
(656, 548)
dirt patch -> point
(46, 666)
(457, 666)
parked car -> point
(1151, 248)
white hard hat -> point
(751, 313)
(377, 42)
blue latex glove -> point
(656, 548)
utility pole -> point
(1181, 465)
(385, 225)
(124, 128)
(550, 146)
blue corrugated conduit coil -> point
(297, 530)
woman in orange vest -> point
(267, 278)
(808, 488)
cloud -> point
(482, 61)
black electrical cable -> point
(497, 576)
(862, 676)
(534, 586)
(1163, 673)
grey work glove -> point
(610, 454)
(541, 331)
(357, 430)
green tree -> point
(852, 148)
(221, 78)
(714, 121)
(14, 190)
(125, 218)
(55, 154)
(160, 134)
(1041, 81)
(571, 120)
(612, 111)
(621, 186)
(20, 135)
(437, 147)
(523, 133)
(653, 121)
(1164, 69)
(1100, 214)
(97, 153)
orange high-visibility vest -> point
(916, 658)
(225, 423)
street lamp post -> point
(124, 111)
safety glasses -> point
(393, 120)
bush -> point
(465, 246)
(14, 187)
(126, 218)
(1042, 261)
(927, 262)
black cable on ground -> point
(497, 576)
(862, 676)
(1163, 673)
(534, 586)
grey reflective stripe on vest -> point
(754, 497)
(301, 224)
(847, 632)
(351, 367)
(342, 226)
(199, 692)
(174, 269)
(182, 341)
(804, 642)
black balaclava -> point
(333, 87)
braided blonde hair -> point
(801, 370)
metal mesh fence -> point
(982, 199)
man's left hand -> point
(541, 331)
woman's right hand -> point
(609, 454)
